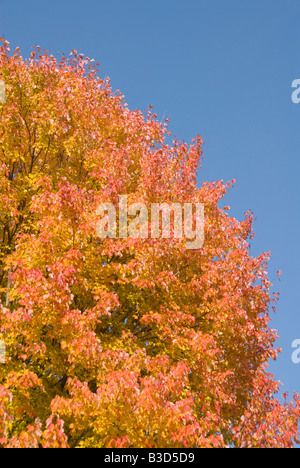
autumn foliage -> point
(121, 342)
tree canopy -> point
(122, 342)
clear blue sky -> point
(220, 68)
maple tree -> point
(122, 342)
